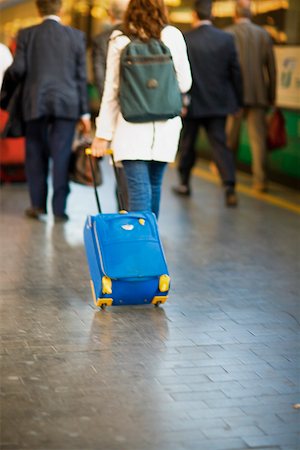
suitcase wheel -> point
(159, 299)
(104, 302)
(100, 302)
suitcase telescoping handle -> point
(88, 152)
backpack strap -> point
(131, 37)
(120, 28)
(117, 35)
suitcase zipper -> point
(99, 251)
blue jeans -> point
(144, 180)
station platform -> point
(215, 368)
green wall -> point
(283, 164)
(285, 161)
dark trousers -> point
(49, 138)
(223, 157)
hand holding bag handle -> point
(80, 168)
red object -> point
(12, 156)
(276, 136)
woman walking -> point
(144, 148)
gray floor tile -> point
(217, 368)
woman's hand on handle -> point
(99, 147)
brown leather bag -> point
(80, 168)
(276, 135)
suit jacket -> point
(217, 83)
(99, 55)
(255, 50)
(50, 61)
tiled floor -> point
(216, 368)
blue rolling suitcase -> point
(125, 257)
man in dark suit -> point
(51, 63)
(216, 91)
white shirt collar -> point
(242, 20)
(200, 23)
(52, 17)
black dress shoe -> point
(230, 198)
(182, 190)
(61, 218)
(34, 213)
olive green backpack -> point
(149, 88)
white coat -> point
(143, 141)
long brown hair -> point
(145, 19)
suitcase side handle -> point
(133, 215)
